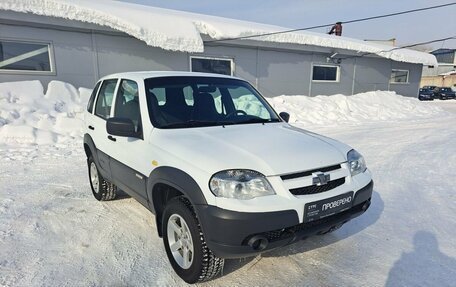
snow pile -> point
(181, 31)
(340, 109)
(30, 116)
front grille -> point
(314, 189)
(309, 172)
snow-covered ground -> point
(54, 233)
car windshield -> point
(183, 102)
(445, 90)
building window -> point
(325, 73)
(212, 65)
(399, 77)
(25, 57)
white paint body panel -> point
(272, 149)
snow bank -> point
(181, 31)
(30, 116)
(359, 108)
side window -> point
(399, 76)
(92, 98)
(244, 101)
(325, 73)
(23, 57)
(127, 103)
(160, 94)
(188, 94)
(104, 100)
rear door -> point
(128, 162)
(88, 117)
(103, 111)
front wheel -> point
(184, 243)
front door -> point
(127, 155)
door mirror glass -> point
(285, 116)
(121, 127)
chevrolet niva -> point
(224, 174)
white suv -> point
(225, 176)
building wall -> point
(73, 54)
(82, 58)
(84, 55)
(439, 81)
(429, 71)
(410, 89)
(445, 55)
(277, 72)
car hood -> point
(272, 149)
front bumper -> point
(231, 234)
(425, 97)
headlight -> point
(356, 162)
(240, 184)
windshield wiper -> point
(197, 123)
(192, 123)
(258, 120)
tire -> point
(183, 231)
(102, 190)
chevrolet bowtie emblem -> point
(320, 178)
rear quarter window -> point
(92, 98)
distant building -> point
(80, 41)
(443, 75)
(447, 56)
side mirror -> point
(285, 116)
(121, 127)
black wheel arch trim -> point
(89, 142)
(177, 179)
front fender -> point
(177, 179)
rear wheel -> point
(102, 190)
(184, 243)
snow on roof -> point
(181, 31)
(448, 73)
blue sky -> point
(411, 28)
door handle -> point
(112, 138)
(91, 128)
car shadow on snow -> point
(314, 242)
(426, 265)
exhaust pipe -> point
(366, 205)
(258, 242)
